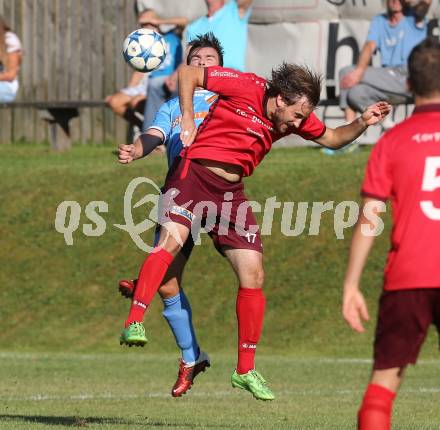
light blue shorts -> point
(7, 92)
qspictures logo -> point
(293, 218)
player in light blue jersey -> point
(169, 117)
(204, 51)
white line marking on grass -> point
(204, 394)
(116, 356)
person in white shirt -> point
(10, 60)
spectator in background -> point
(10, 60)
(228, 21)
(158, 90)
(128, 102)
(394, 34)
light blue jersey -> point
(169, 117)
(395, 43)
(229, 28)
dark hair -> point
(207, 40)
(424, 68)
(292, 82)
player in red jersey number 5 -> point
(404, 167)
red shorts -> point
(206, 200)
(403, 322)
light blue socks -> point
(177, 311)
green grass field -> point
(131, 391)
(60, 314)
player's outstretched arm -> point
(190, 78)
(354, 307)
(336, 138)
(143, 145)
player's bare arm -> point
(143, 146)
(354, 77)
(190, 78)
(336, 138)
(354, 307)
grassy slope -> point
(53, 297)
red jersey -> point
(404, 166)
(236, 130)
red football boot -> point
(127, 287)
(187, 374)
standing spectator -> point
(404, 168)
(158, 91)
(228, 21)
(394, 34)
(10, 60)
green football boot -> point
(134, 334)
(253, 382)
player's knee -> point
(172, 247)
(172, 243)
(258, 277)
(169, 289)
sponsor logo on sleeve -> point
(224, 74)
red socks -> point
(250, 314)
(150, 277)
(375, 412)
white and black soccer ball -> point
(144, 50)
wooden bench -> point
(58, 114)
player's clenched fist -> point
(126, 154)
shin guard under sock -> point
(177, 312)
(375, 412)
(250, 315)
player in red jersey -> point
(249, 115)
(404, 167)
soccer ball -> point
(144, 50)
